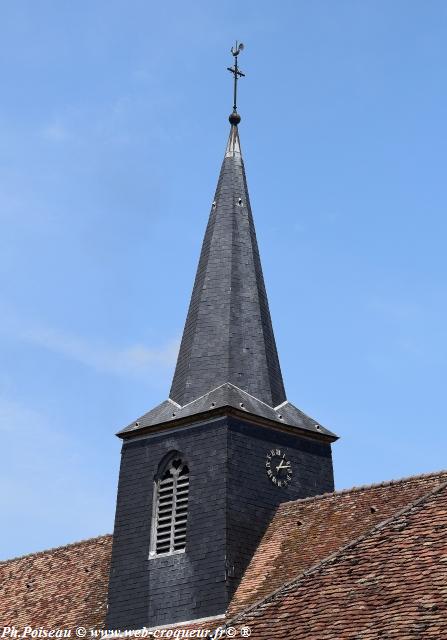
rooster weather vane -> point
(237, 73)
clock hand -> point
(283, 466)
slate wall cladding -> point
(150, 592)
(231, 502)
(251, 496)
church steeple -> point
(228, 356)
(228, 336)
(202, 473)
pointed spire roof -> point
(228, 363)
(228, 335)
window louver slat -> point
(165, 510)
(164, 518)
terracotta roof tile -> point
(304, 532)
(345, 565)
(389, 584)
(58, 588)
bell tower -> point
(203, 472)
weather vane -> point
(236, 72)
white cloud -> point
(14, 418)
(31, 443)
(136, 359)
(51, 490)
(86, 126)
(56, 132)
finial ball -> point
(234, 118)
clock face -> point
(278, 467)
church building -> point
(226, 515)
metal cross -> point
(235, 71)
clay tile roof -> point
(391, 583)
(204, 628)
(58, 588)
(366, 563)
(304, 532)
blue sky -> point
(113, 123)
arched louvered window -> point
(170, 508)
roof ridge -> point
(224, 384)
(252, 396)
(182, 406)
(231, 384)
(336, 554)
(52, 549)
(363, 487)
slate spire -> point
(228, 359)
(228, 335)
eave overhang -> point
(228, 400)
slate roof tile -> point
(228, 335)
(228, 395)
(228, 353)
